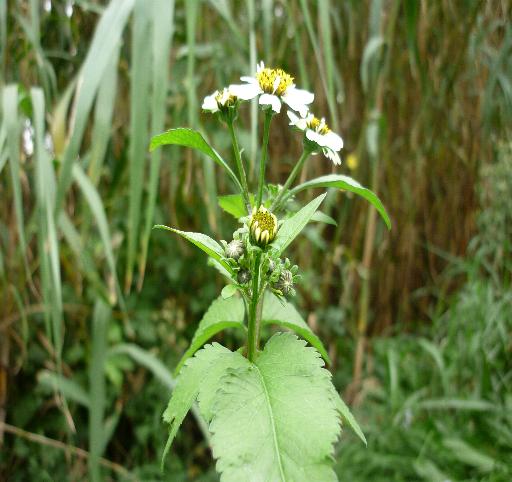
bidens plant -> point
(273, 412)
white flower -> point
(318, 132)
(219, 100)
(273, 86)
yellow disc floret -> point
(225, 99)
(262, 226)
(318, 125)
(274, 81)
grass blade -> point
(11, 122)
(162, 32)
(105, 41)
(139, 114)
(100, 319)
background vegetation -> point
(96, 309)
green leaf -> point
(210, 362)
(222, 314)
(97, 387)
(274, 312)
(291, 227)
(233, 204)
(186, 137)
(347, 417)
(228, 291)
(321, 217)
(203, 242)
(345, 183)
(276, 419)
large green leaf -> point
(222, 314)
(276, 419)
(291, 227)
(345, 183)
(186, 137)
(203, 242)
(274, 312)
(209, 363)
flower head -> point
(318, 135)
(262, 226)
(219, 101)
(235, 249)
(285, 282)
(273, 86)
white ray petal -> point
(210, 102)
(315, 137)
(245, 91)
(297, 121)
(333, 141)
(333, 156)
(272, 100)
(298, 99)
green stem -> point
(264, 156)
(240, 166)
(259, 311)
(298, 167)
(252, 328)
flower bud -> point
(285, 282)
(235, 249)
(262, 226)
(244, 276)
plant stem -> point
(252, 331)
(264, 156)
(240, 167)
(298, 167)
(259, 310)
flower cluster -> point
(273, 87)
(256, 236)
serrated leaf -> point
(228, 291)
(347, 417)
(186, 137)
(345, 183)
(275, 419)
(203, 242)
(210, 361)
(222, 314)
(291, 227)
(274, 312)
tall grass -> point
(421, 93)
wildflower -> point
(262, 226)
(318, 135)
(352, 161)
(219, 101)
(273, 86)
(235, 249)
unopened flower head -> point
(273, 86)
(235, 249)
(285, 283)
(219, 101)
(318, 135)
(262, 226)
